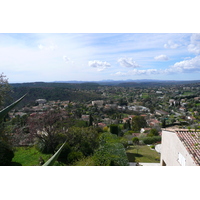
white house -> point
(180, 147)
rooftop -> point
(191, 141)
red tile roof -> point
(191, 141)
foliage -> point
(111, 152)
(4, 88)
(47, 128)
(145, 154)
(151, 140)
(138, 123)
(124, 141)
(153, 132)
(63, 157)
(6, 153)
(74, 156)
(114, 129)
(135, 140)
(5, 111)
(53, 159)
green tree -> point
(135, 140)
(138, 122)
(153, 132)
(4, 88)
(114, 129)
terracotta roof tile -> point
(191, 141)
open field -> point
(142, 153)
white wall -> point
(173, 151)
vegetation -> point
(111, 152)
(142, 153)
(92, 123)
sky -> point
(26, 57)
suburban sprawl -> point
(101, 123)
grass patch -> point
(142, 153)
(145, 95)
(28, 156)
(188, 93)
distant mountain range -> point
(120, 83)
(129, 81)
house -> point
(161, 112)
(101, 125)
(142, 130)
(85, 117)
(125, 120)
(41, 101)
(153, 122)
(182, 109)
(180, 147)
(99, 103)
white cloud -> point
(128, 62)
(194, 45)
(144, 72)
(171, 45)
(186, 66)
(120, 73)
(161, 57)
(51, 47)
(100, 65)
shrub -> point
(45, 147)
(114, 129)
(63, 157)
(111, 152)
(124, 142)
(74, 156)
(151, 140)
(152, 146)
(6, 154)
(135, 140)
(105, 129)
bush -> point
(124, 142)
(135, 140)
(6, 154)
(152, 146)
(45, 147)
(63, 157)
(111, 152)
(74, 156)
(114, 129)
(151, 140)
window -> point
(181, 159)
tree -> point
(6, 153)
(163, 123)
(4, 88)
(138, 123)
(135, 140)
(153, 132)
(49, 128)
(114, 129)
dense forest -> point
(54, 91)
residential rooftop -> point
(191, 141)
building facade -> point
(180, 148)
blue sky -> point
(99, 56)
